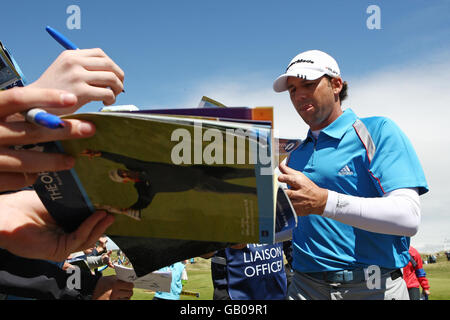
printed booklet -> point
(172, 181)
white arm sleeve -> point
(396, 213)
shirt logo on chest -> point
(345, 171)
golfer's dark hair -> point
(343, 94)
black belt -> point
(349, 276)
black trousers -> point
(414, 293)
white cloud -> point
(415, 96)
(251, 90)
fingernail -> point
(68, 98)
(86, 128)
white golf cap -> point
(308, 65)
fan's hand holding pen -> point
(89, 74)
(19, 168)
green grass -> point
(199, 280)
(438, 275)
(199, 275)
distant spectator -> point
(250, 272)
(176, 286)
(92, 261)
(100, 246)
(415, 276)
(432, 259)
(184, 275)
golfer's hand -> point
(306, 197)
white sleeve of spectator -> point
(396, 213)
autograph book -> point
(192, 185)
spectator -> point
(415, 276)
(176, 286)
(26, 228)
(92, 261)
(39, 279)
(184, 275)
(249, 272)
(100, 246)
(87, 75)
(432, 259)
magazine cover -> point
(168, 178)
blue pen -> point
(62, 40)
(43, 118)
(37, 116)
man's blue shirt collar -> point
(338, 127)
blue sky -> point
(174, 52)
(168, 47)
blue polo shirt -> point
(339, 161)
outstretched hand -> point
(19, 168)
(111, 288)
(306, 197)
(28, 230)
(89, 74)
(106, 259)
